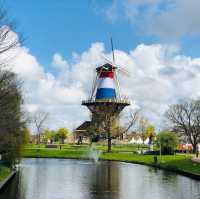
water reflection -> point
(105, 181)
(74, 179)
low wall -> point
(6, 180)
(197, 160)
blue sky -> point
(50, 26)
(67, 26)
(157, 41)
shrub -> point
(168, 142)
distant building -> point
(81, 133)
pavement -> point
(195, 159)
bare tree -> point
(142, 128)
(9, 37)
(39, 119)
(102, 122)
(132, 119)
(185, 120)
(106, 124)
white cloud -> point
(159, 76)
(165, 18)
(58, 61)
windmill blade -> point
(123, 71)
(118, 85)
(94, 85)
(107, 60)
(95, 82)
(113, 53)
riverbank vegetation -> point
(4, 172)
(127, 153)
(12, 118)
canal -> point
(77, 179)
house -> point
(81, 133)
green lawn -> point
(4, 172)
(85, 147)
(171, 162)
(179, 163)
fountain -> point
(94, 154)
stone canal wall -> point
(6, 180)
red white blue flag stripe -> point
(105, 86)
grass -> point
(4, 172)
(54, 153)
(85, 147)
(179, 163)
(126, 153)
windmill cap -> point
(106, 67)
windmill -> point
(101, 72)
(105, 102)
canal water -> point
(76, 179)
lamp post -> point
(160, 150)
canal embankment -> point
(181, 164)
(5, 176)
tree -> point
(26, 135)
(132, 119)
(105, 123)
(142, 128)
(62, 134)
(11, 117)
(150, 132)
(12, 120)
(9, 39)
(39, 119)
(185, 120)
(168, 141)
(48, 135)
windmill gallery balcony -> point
(122, 101)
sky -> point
(157, 41)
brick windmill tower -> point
(106, 102)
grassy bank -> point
(4, 172)
(178, 163)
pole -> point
(160, 152)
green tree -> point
(48, 135)
(11, 116)
(26, 135)
(62, 134)
(150, 132)
(168, 141)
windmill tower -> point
(105, 102)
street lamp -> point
(160, 150)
